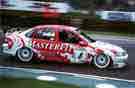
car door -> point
(43, 42)
(73, 50)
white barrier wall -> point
(116, 15)
(133, 16)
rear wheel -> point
(24, 54)
(102, 61)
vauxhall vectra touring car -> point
(64, 44)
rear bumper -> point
(1, 50)
(6, 50)
(4, 54)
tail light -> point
(9, 41)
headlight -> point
(121, 54)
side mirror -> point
(82, 43)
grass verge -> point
(31, 83)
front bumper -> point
(120, 62)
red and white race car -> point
(63, 44)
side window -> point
(29, 34)
(46, 33)
(68, 37)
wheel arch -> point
(21, 58)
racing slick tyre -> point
(102, 61)
(24, 54)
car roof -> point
(58, 27)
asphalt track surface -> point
(125, 73)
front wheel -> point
(24, 54)
(102, 61)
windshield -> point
(87, 37)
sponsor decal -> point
(99, 51)
(73, 54)
(21, 42)
(52, 46)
